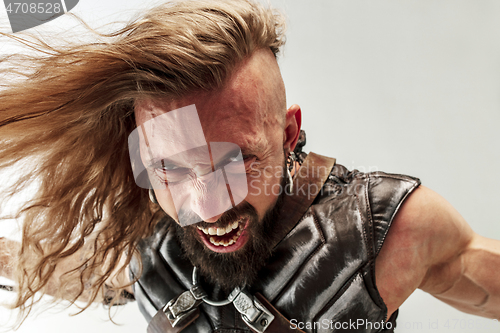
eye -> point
(249, 158)
(250, 162)
(168, 167)
(172, 174)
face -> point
(250, 112)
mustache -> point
(242, 210)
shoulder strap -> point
(307, 184)
(386, 194)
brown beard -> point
(241, 267)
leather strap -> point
(280, 324)
(307, 184)
(161, 324)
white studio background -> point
(400, 86)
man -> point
(428, 244)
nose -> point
(209, 197)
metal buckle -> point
(183, 306)
(253, 312)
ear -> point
(292, 128)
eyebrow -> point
(247, 152)
(161, 162)
(155, 162)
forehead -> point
(245, 111)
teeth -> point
(212, 231)
(213, 241)
(224, 242)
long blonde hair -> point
(70, 110)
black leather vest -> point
(321, 276)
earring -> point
(292, 158)
(290, 165)
(152, 196)
(290, 180)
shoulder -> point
(426, 230)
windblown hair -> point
(68, 112)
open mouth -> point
(228, 239)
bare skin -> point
(429, 245)
(8, 248)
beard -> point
(241, 267)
